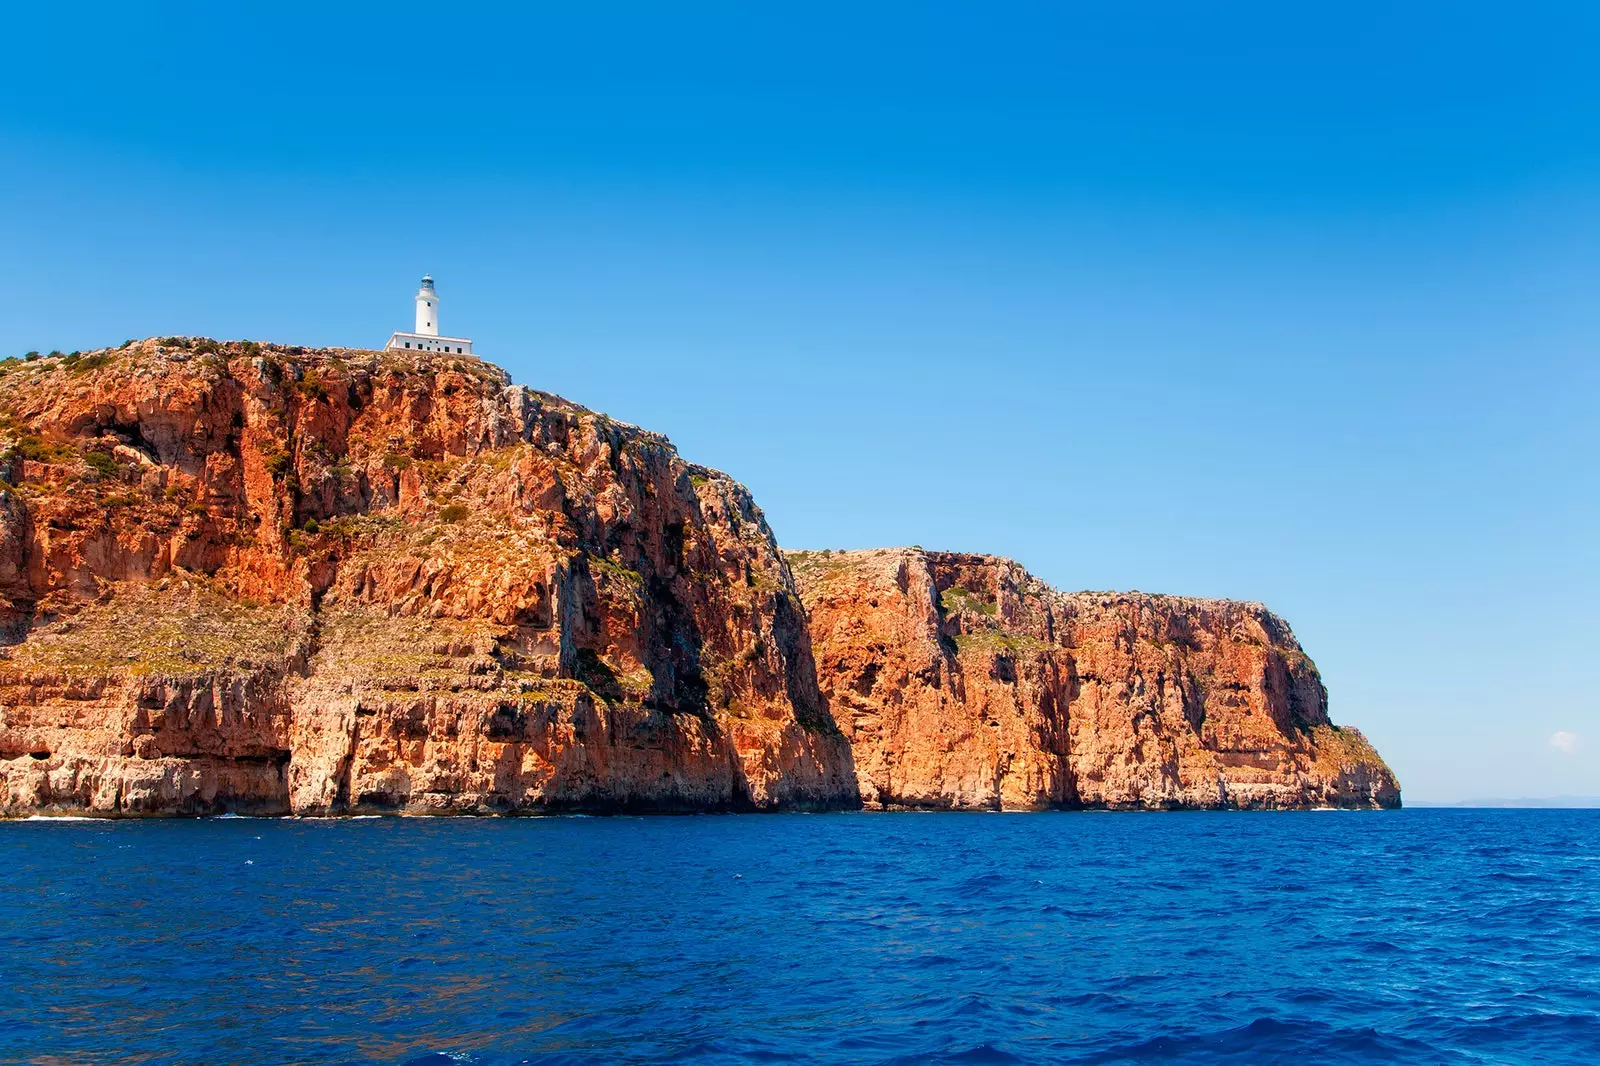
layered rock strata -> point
(964, 682)
(257, 578)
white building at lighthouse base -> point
(421, 342)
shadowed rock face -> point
(257, 578)
(964, 682)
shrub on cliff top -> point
(101, 463)
(36, 449)
(215, 362)
(956, 598)
(86, 363)
(311, 386)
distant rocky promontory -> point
(269, 579)
(963, 681)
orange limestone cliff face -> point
(266, 579)
(964, 682)
(241, 577)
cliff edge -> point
(964, 682)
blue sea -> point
(1417, 936)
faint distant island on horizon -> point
(258, 578)
(1517, 803)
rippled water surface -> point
(1425, 936)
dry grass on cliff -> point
(825, 561)
(995, 642)
(957, 600)
(406, 653)
(399, 651)
(1340, 748)
(177, 627)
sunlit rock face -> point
(964, 682)
(272, 579)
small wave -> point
(982, 882)
(1086, 999)
(1559, 1030)
(1268, 1039)
(929, 962)
(982, 1053)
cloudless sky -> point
(1288, 302)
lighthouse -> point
(426, 337)
(427, 308)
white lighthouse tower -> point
(426, 338)
(427, 308)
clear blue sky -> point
(1294, 303)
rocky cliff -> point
(964, 682)
(257, 578)
(242, 577)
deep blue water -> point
(1423, 936)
